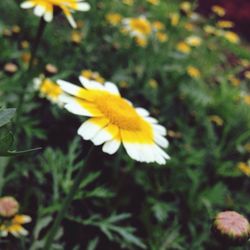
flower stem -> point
(66, 203)
(40, 31)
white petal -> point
(161, 141)
(151, 120)
(4, 233)
(48, 16)
(69, 87)
(110, 147)
(143, 112)
(162, 153)
(101, 137)
(27, 4)
(23, 232)
(146, 154)
(111, 87)
(159, 129)
(132, 151)
(88, 130)
(77, 109)
(39, 10)
(159, 159)
(71, 20)
(90, 84)
(26, 219)
(83, 6)
(65, 98)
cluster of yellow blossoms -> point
(142, 29)
(10, 221)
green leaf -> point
(6, 115)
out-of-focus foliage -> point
(192, 75)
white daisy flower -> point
(114, 121)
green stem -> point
(66, 203)
(36, 43)
(3, 164)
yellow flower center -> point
(118, 111)
(141, 25)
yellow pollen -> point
(119, 112)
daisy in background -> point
(50, 90)
(45, 8)
(10, 221)
(114, 120)
(139, 28)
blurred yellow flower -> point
(14, 226)
(247, 74)
(231, 37)
(154, 2)
(76, 37)
(162, 37)
(174, 19)
(245, 63)
(193, 41)
(128, 2)
(158, 25)
(209, 29)
(247, 147)
(50, 90)
(193, 72)
(45, 8)
(123, 84)
(225, 24)
(10, 221)
(25, 44)
(234, 80)
(114, 120)
(25, 57)
(153, 83)
(138, 26)
(141, 41)
(216, 119)
(183, 47)
(16, 29)
(186, 7)
(246, 99)
(218, 10)
(189, 26)
(244, 168)
(114, 18)
(92, 75)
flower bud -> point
(231, 228)
(8, 206)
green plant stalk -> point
(39, 34)
(66, 203)
(3, 164)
